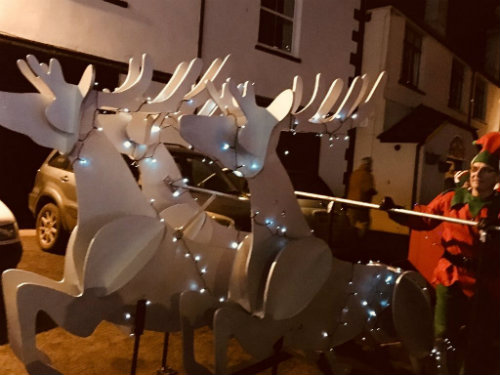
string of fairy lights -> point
(380, 290)
(201, 269)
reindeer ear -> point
(281, 106)
(87, 81)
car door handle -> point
(64, 178)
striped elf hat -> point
(490, 150)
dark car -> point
(54, 204)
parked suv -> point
(53, 199)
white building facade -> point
(435, 105)
(269, 41)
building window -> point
(479, 111)
(456, 85)
(412, 50)
(276, 24)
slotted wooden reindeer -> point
(286, 287)
(123, 249)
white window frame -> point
(296, 26)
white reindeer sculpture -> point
(123, 249)
(285, 286)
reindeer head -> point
(238, 147)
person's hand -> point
(486, 224)
(387, 204)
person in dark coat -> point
(361, 188)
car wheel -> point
(49, 231)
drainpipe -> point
(471, 99)
(415, 175)
(201, 26)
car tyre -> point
(50, 234)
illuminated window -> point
(456, 85)
(277, 24)
(412, 50)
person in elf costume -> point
(466, 276)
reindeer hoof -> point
(40, 368)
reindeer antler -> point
(341, 115)
(130, 95)
(64, 111)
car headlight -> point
(8, 232)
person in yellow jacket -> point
(361, 188)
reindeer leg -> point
(195, 310)
(26, 294)
(257, 336)
(330, 364)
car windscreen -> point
(204, 173)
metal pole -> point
(397, 210)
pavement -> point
(108, 350)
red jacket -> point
(461, 242)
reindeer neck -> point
(160, 179)
(273, 201)
(106, 188)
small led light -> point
(222, 299)
(152, 200)
(185, 180)
(203, 270)
(346, 138)
(225, 146)
(203, 290)
(372, 313)
(100, 129)
(324, 334)
(83, 161)
(254, 166)
(176, 193)
(153, 160)
(283, 229)
(234, 245)
(127, 144)
(269, 222)
(127, 316)
(155, 129)
(174, 239)
(148, 302)
(126, 110)
(187, 255)
(238, 173)
(355, 115)
(286, 152)
(364, 303)
(162, 220)
(197, 258)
